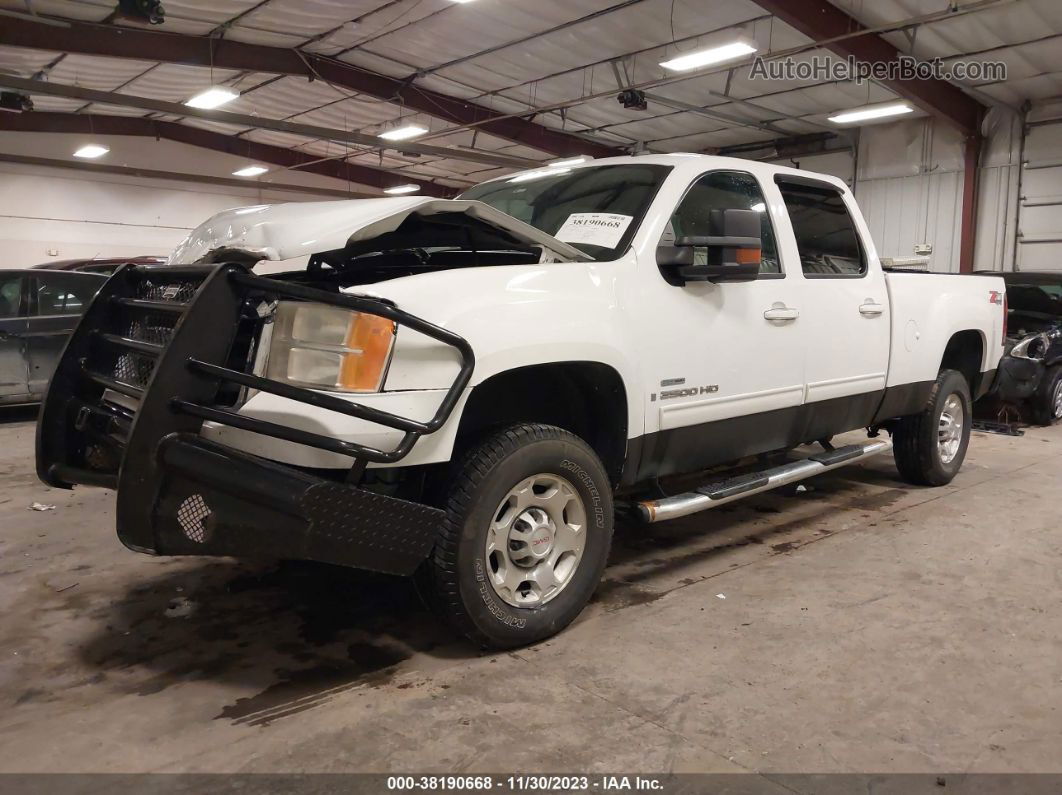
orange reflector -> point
(748, 256)
(372, 336)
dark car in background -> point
(1029, 380)
(38, 311)
(106, 266)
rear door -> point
(13, 373)
(58, 299)
(846, 308)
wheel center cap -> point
(541, 542)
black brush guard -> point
(161, 350)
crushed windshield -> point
(596, 209)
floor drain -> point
(192, 516)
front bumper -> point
(160, 351)
(1017, 378)
(213, 500)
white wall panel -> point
(1040, 211)
(74, 215)
(910, 184)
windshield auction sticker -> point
(594, 229)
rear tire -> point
(1046, 404)
(527, 533)
(930, 447)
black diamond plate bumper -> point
(214, 500)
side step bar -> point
(721, 492)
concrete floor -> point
(866, 626)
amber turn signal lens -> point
(748, 256)
(372, 336)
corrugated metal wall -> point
(1040, 210)
(909, 184)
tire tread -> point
(440, 582)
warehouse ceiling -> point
(497, 84)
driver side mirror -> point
(732, 250)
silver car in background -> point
(38, 311)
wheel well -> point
(585, 398)
(964, 353)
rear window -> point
(825, 232)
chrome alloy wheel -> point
(949, 429)
(1057, 402)
(536, 540)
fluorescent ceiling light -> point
(546, 172)
(91, 151)
(250, 171)
(571, 161)
(759, 207)
(403, 133)
(213, 97)
(895, 109)
(411, 188)
(694, 60)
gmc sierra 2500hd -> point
(458, 388)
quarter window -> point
(723, 190)
(825, 233)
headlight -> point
(1034, 346)
(329, 348)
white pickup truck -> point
(459, 389)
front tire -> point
(1046, 404)
(930, 447)
(526, 536)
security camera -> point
(13, 102)
(142, 10)
(632, 99)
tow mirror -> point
(732, 251)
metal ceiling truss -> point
(84, 123)
(245, 120)
(126, 42)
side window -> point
(65, 293)
(724, 190)
(826, 236)
(10, 296)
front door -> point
(846, 309)
(725, 362)
(13, 375)
(58, 299)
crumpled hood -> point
(298, 229)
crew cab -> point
(462, 389)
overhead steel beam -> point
(92, 124)
(711, 113)
(245, 120)
(123, 42)
(179, 176)
(819, 20)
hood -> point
(299, 229)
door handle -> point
(781, 312)
(871, 308)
